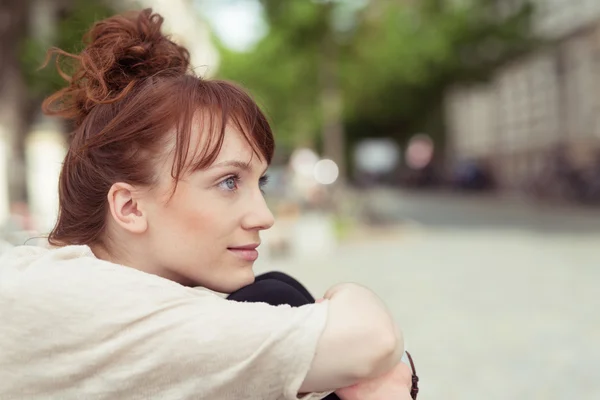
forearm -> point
(394, 384)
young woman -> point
(160, 197)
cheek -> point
(199, 223)
(202, 215)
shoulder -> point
(72, 277)
(155, 325)
(70, 283)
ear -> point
(126, 209)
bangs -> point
(208, 108)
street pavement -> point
(497, 299)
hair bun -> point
(120, 51)
(133, 46)
(127, 48)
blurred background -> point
(445, 153)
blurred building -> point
(546, 99)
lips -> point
(247, 252)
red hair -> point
(130, 95)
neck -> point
(128, 259)
(103, 252)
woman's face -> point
(206, 234)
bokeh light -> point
(326, 172)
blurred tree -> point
(36, 25)
(373, 68)
(413, 54)
(71, 19)
(294, 72)
(13, 26)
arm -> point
(395, 384)
(199, 345)
(360, 340)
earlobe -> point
(125, 208)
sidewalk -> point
(487, 314)
(447, 209)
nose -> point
(258, 216)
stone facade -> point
(532, 105)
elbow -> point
(389, 353)
(387, 350)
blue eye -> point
(229, 183)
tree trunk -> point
(13, 95)
(332, 105)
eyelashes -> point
(263, 181)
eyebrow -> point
(233, 163)
(244, 166)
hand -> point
(395, 384)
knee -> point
(277, 275)
(271, 291)
(279, 292)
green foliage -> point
(404, 58)
(282, 70)
(396, 60)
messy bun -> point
(134, 101)
(119, 52)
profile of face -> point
(206, 231)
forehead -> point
(235, 147)
(208, 138)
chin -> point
(234, 281)
(245, 278)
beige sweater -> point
(76, 327)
